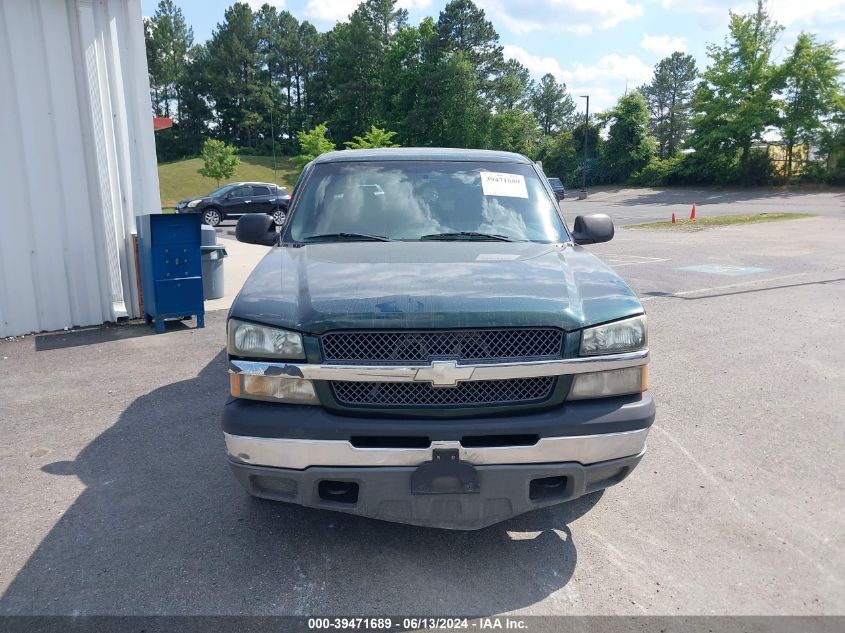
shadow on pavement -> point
(103, 334)
(162, 527)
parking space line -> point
(629, 260)
(751, 282)
(653, 261)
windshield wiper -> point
(347, 237)
(467, 235)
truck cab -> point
(428, 343)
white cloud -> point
(605, 81)
(331, 11)
(663, 44)
(579, 17)
(257, 4)
(538, 66)
(787, 12)
(414, 4)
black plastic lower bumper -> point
(252, 418)
(493, 492)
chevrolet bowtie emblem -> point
(443, 373)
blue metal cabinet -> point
(171, 272)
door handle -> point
(247, 201)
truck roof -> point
(420, 153)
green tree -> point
(404, 102)
(832, 141)
(629, 146)
(552, 104)
(239, 89)
(513, 130)
(559, 155)
(372, 138)
(669, 98)
(190, 127)
(464, 28)
(168, 39)
(811, 77)
(218, 160)
(355, 61)
(459, 115)
(310, 77)
(511, 87)
(735, 102)
(311, 144)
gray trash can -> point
(212, 264)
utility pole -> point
(272, 126)
(583, 193)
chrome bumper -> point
(299, 454)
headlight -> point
(251, 339)
(614, 338)
(273, 389)
(193, 203)
(604, 384)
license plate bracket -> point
(445, 474)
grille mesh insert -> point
(462, 345)
(420, 394)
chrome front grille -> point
(488, 345)
(421, 394)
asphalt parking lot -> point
(117, 499)
(634, 206)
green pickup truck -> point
(427, 343)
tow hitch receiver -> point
(445, 474)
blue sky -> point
(596, 46)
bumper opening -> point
(338, 491)
(490, 441)
(547, 488)
(389, 441)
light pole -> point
(583, 194)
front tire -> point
(279, 217)
(211, 217)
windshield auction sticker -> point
(508, 185)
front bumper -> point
(286, 452)
(504, 490)
(300, 454)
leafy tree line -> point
(743, 105)
(265, 80)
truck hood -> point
(395, 285)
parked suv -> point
(428, 343)
(558, 188)
(237, 199)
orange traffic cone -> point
(673, 218)
(692, 213)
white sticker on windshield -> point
(499, 184)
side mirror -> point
(256, 228)
(592, 229)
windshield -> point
(413, 200)
(221, 191)
(555, 182)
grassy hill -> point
(180, 179)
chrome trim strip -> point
(299, 454)
(440, 373)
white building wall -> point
(77, 161)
